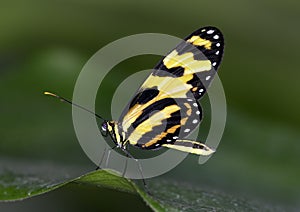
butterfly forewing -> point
(165, 107)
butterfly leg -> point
(126, 164)
(102, 157)
(107, 158)
(191, 147)
(139, 167)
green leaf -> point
(165, 195)
(15, 186)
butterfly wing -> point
(165, 107)
(195, 60)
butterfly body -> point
(165, 109)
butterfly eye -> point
(104, 130)
(104, 127)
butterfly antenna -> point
(70, 102)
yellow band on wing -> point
(155, 119)
(187, 62)
(190, 147)
(198, 41)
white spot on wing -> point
(187, 130)
(195, 104)
(175, 137)
(198, 112)
(210, 31)
(216, 37)
(214, 64)
(189, 100)
(157, 144)
(217, 52)
(207, 78)
(218, 44)
(195, 121)
(201, 90)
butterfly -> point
(165, 109)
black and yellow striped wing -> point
(165, 108)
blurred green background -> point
(44, 45)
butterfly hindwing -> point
(165, 107)
(164, 121)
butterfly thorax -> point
(116, 133)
